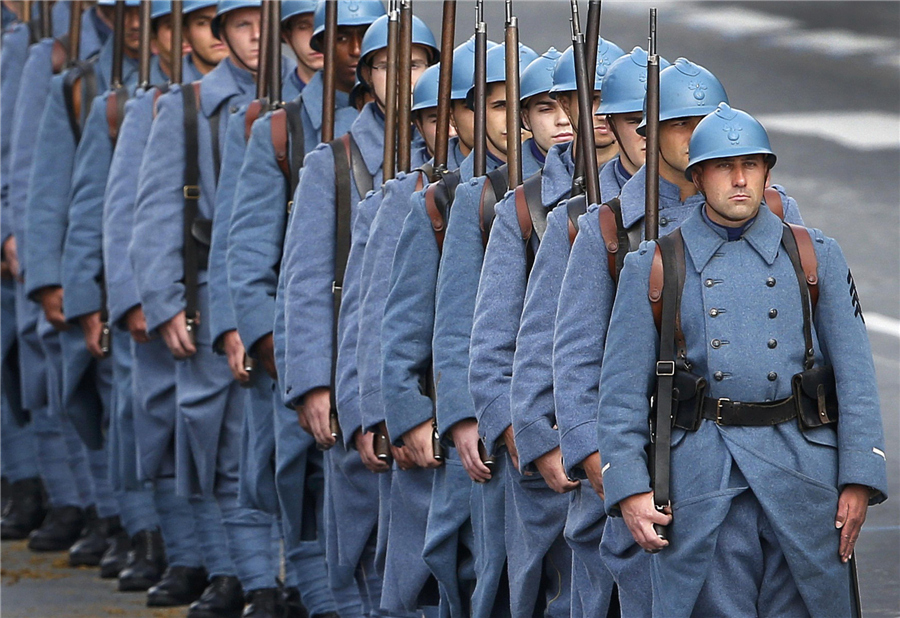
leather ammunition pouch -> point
(815, 397)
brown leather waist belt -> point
(724, 411)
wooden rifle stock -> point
(404, 88)
(480, 99)
(445, 86)
(275, 53)
(585, 86)
(513, 105)
(329, 76)
(177, 40)
(390, 104)
(651, 213)
(262, 67)
(144, 62)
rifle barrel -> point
(480, 146)
(275, 50)
(404, 89)
(74, 31)
(329, 76)
(177, 38)
(46, 19)
(26, 11)
(262, 67)
(118, 44)
(144, 62)
(390, 105)
(445, 85)
(592, 36)
(651, 213)
(513, 105)
(585, 110)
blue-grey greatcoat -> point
(585, 302)
(613, 177)
(721, 476)
(539, 561)
(210, 404)
(308, 271)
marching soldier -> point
(785, 412)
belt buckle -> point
(719, 403)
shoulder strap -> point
(438, 200)
(575, 207)
(115, 112)
(615, 236)
(191, 191)
(341, 152)
(79, 85)
(774, 202)
(297, 142)
(497, 182)
(674, 244)
(798, 244)
(253, 111)
(361, 176)
(531, 191)
(279, 135)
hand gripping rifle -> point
(513, 105)
(585, 84)
(480, 99)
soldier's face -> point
(132, 31)
(548, 122)
(462, 119)
(426, 123)
(347, 46)
(241, 31)
(674, 140)
(206, 48)
(297, 33)
(495, 119)
(162, 40)
(733, 187)
(375, 73)
(631, 145)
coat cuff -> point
(864, 468)
(160, 306)
(534, 440)
(123, 296)
(255, 326)
(81, 298)
(39, 278)
(316, 373)
(577, 443)
(401, 421)
(494, 421)
(623, 479)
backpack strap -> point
(361, 176)
(575, 207)
(115, 112)
(799, 247)
(279, 135)
(296, 142)
(496, 184)
(532, 216)
(774, 202)
(341, 152)
(191, 192)
(79, 85)
(615, 237)
(438, 200)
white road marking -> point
(859, 130)
(838, 42)
(877, 323)
(737, 22)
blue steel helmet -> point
(464, 68)
(349, 13)
(728, 132)
(376, 38)
(425, 94)
(625, 84)
(538, 76)
(289, 8)
(686, 89)
(160, 8)
(564, 73)
(189, 6)
(227, 6)
(496, 66)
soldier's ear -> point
(696, 178)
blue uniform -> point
(308, 266)
(539, 562)
(725, 479)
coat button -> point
(772, 376)
(715, 343)
(709, 283)
(773, 313)
(718, 376)
(713, 312)
(772, 344)
(663, 222)
(770, 282)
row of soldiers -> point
(354, 332)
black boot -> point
(293, 605)
(223, 598)
(179, 585)
(25, 510)
(60, 529)
(115, 558)
(264, 603)
(91, 545)
(146, 562)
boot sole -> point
(81, 560)
(160, 600)
(135, 585)
(38, 547)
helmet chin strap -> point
(234, 55)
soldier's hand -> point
(175, 334)
(851, 513)
(264, 351)
(640, 514)
(92, 328)
(364, 441)
(51, 299)
(11, 256)
(592, 467)
(136, 322)
(235, 352)
(465, 437)
(418, 442)
(509, 437)
(317, 410)
(403, 456)
(550, 465)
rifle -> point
(275, 50)
(513, 105)
(651, 212)
(585, 85)
(390, 103)
(177, 38)
(262, 68)
(118, 44)
(74, 32)
(329, 76)
(404, 88)
(46, 19)
(480, 99)
(445, 85)
(144, 61)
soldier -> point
(153, 368)
(310, 376)
(768, 430)
(176, 194)
(61, 457)
(406, 340)
(254, 250)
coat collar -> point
(558, 171)
(222, 83)
(368, 132)
(634, 193)
(311, 98)
(703, 240)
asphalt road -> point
(825, 79)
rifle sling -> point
(496, 181)
(438, 200)
(575, 207)
(115, 112)
(79, 85)
(191, 192)
(297, 142)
